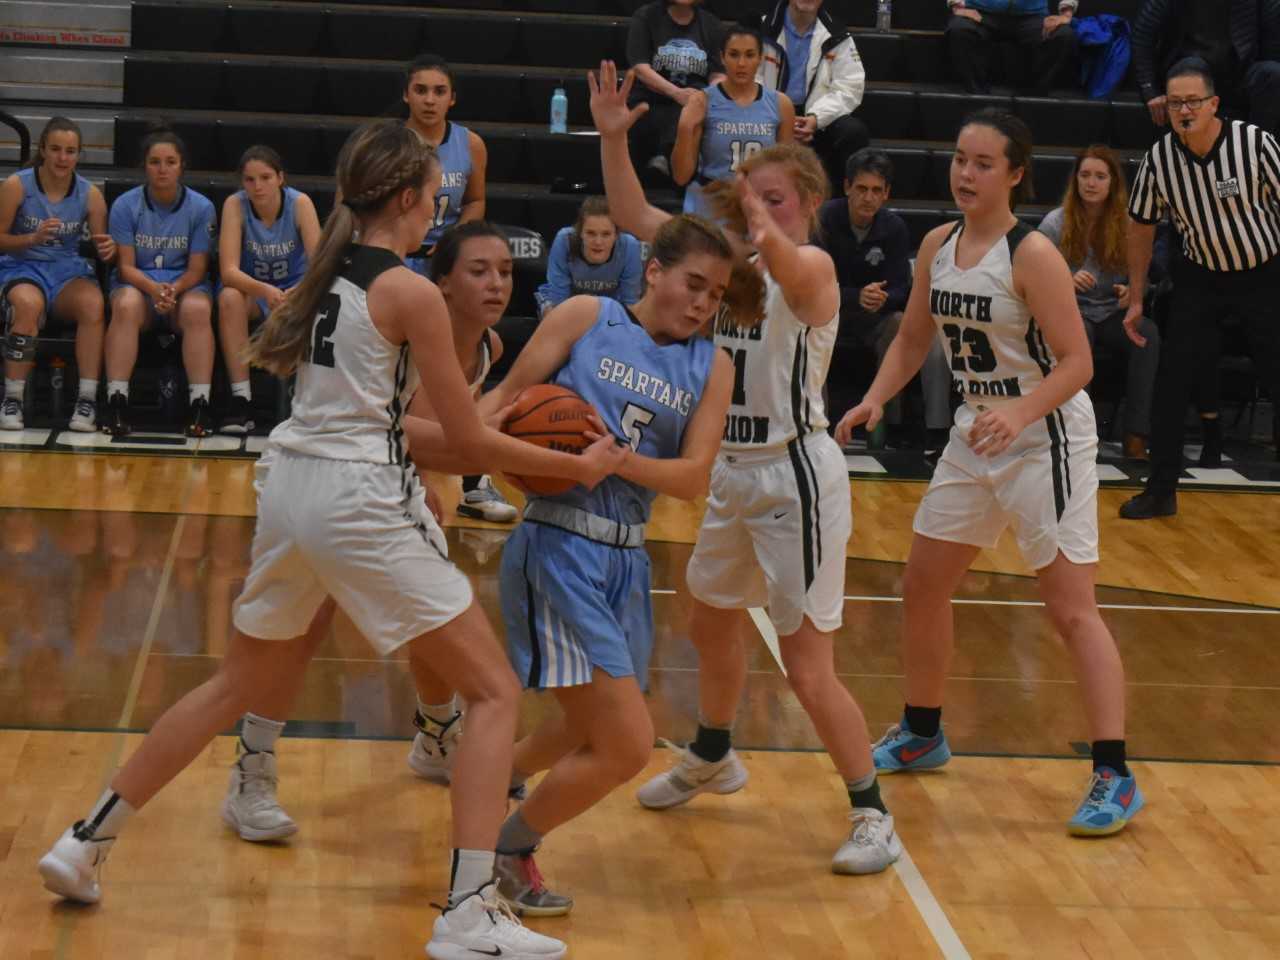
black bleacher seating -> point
(1058, 122)
(171, 26)
(263, 28)
(300, 146)
(184, 82)
(276, 88)
(395, 35)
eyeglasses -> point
(1192, 105)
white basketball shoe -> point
(691, 776)
(482, 925)
(251, 807)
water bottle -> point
(57, 377)
(884, 15)
(559, 110)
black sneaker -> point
(116, 422)
(239, 417)
(1146, 506)
(1211, 452)
(199, 423)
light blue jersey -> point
(163, 237)
(730, 134)
(273, 254)
(52, 265)
(455, 173)
(573, 604)
(72, 210)
(644, 392)
(568, 276)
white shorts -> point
(775, 534)
(349, 530)
(1045, 486)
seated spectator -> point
(269, 232)
(592, 257)
(871, 248)
(1091, 230)
(163, 231)
(674, 48)
(1241, 44)
(44, 211)
(812, 59)
(729, 121)
(1048, 43)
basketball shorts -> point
(1045, 486)
(346, 529)
(49, 276)
(775, 534)
(260, 303)
(571, 605)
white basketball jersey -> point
(483, 362)
(997, 351)
(353, 386)
(780, 367)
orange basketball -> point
(553, 417)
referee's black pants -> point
(1202, 302)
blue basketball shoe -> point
(901, 751)
(1111, 802)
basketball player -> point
(45, 210)
(342, 514)
(575, 575)
(430, 92)
(163, 231)
(473, 270)
(729, 121)
(1022, 454)
(778, 515)
(268, 232)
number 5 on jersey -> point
(634, 419)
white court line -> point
(1256, 611)
(149, 635)
(931, 912)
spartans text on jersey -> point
(655, 388)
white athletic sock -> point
(107, 817)
(14, 389)
(198, 391)
(441, 713)
(260, 734)
(472, 869)
(88, 389)
(241, 389)
(118, 386)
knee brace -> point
(15, 346)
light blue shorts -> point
(50, 276)
(571, 605)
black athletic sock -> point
(1110, 753)
(866, 793)
(922, 721)
(712, 743)
(471, 483)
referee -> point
(1220, 180)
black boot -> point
(1147, 505)
(1211, 452)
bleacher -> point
(301, 74)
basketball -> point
(553, 417)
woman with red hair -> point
(1091, 230)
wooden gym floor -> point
(119, 572)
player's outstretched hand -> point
(865, 412)
(609, 110)
(605, 456)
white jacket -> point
(836, 79)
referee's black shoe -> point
(1147, 506)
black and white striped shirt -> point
(1225, 205)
